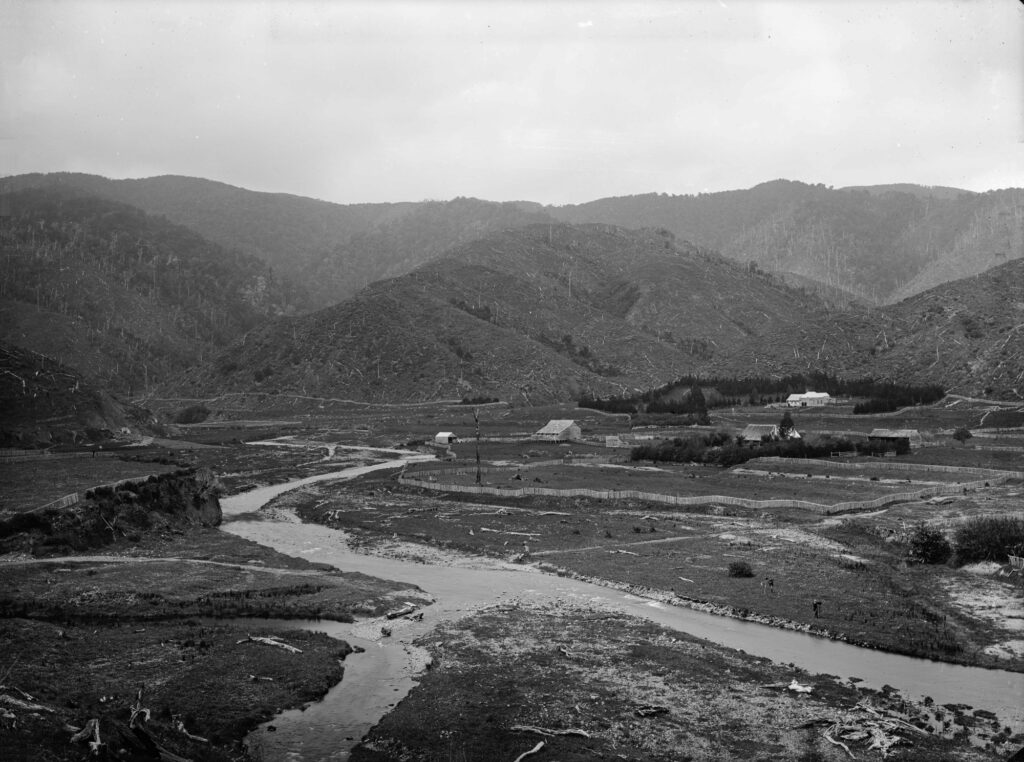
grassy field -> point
(633, 691)
(813, 483)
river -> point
(377, 679)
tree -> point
(786, 425)
(698, 404)
(962, 434)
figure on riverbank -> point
(817, 609)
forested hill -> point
(331, 250)
(122, 296)
(540, 313)
(879, 244)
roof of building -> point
(758, 430)
(896, 433)
(808, 396)
(444, 434)
(557, 426)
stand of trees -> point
(720, 449)
(881, 396)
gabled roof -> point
(557, 426)
(758, 430)
(896, 433)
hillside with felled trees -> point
(120, 295)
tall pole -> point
(476, 418)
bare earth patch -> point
(998, 602)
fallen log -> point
(525, 754)
(92, 728)
(651, 711)
(831, 740)
(269, 641)
(180, 727)
(551, 731)
(408, 608)
(23, 705)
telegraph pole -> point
(476, 418)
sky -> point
(555, 102)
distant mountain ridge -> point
(330, 250)
(469, 297)
(880, 244)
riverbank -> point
(596, 684)
(868, 595)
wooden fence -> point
(890, 466)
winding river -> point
(378, 678)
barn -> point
(901, 439)
(562, 430)
(445, 438)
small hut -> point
(755, 433)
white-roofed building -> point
(808, 399)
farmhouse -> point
(559, 431)
(755, 433)
(808, 399)
(445, 438)
(900, 438)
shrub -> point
(928, 545)
(192, 414)
(987, 538)
(740, 569)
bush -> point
(740, 569)
(928, 545)
(192, 414)
(988, 538)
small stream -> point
(377, 679)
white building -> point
(808, 399)
(445, 438)
(559, 431)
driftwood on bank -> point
(551, 731)
(269, 641)
(525, 754)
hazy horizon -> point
(558, 103)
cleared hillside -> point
(540, 313)
(967, 335)
(43, 402)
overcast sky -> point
(554, 102)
